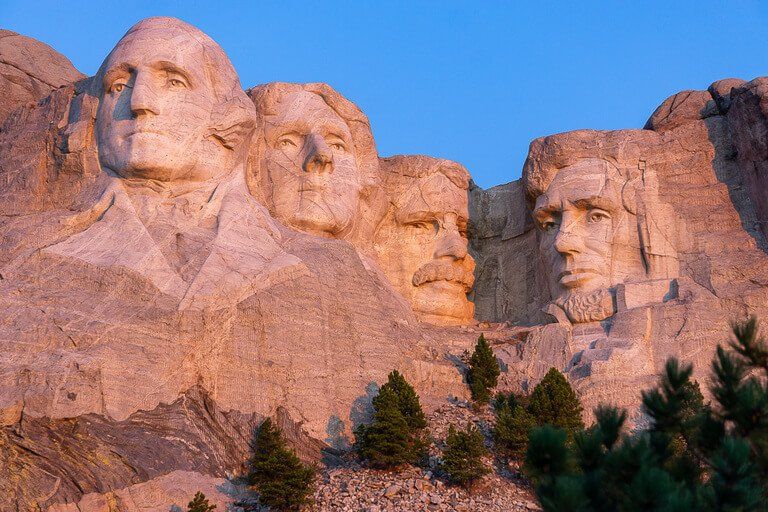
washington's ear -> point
(233, 124)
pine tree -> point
(513, 426)
(200, 504)
(483, 372)
(693, 456)
(396, 435)
(281, 479)
(463, 455)
(553, 402)
(407, 400)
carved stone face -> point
(423, 249)
(589, 240)
(155, 108)
(313, 182)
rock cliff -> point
(180, 258)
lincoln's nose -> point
(320, 157)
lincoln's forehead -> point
(584, 180)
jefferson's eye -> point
(338, 146)
(285, 143)
(597, 216)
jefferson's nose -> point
(143, 97)
(319, 157)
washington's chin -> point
(443, 303)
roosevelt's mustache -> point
(443, 270)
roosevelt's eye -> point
(596, 215)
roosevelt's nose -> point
(319, 156)
(143, 97)
(568, 239)
(450, 244)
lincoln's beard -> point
(582, 307)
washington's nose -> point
(319, 157)
(451, 245)
(143, 98)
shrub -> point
(463, 455)
(395, 436)
(407, 400)
(200, 504)
(513, 426)
(483, 372)
(553, 402)
(693, 457)
(281, 479)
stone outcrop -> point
(30, 71)
(180, 258)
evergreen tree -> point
(396, 435)
(407, 400)
(483, 372)
(513, 426)
(693, 456)
(554, 402)
(463, 454)
(200, 504)
(281, 479)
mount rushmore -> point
(181, 257)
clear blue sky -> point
(470, 81)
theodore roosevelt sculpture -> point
(602, 231)
(422, 243)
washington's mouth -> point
(436, 271)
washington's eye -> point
(117, 87)
(597, 216)
(175, 82)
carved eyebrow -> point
(602, 203)
(170, 67)
(114, 72)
